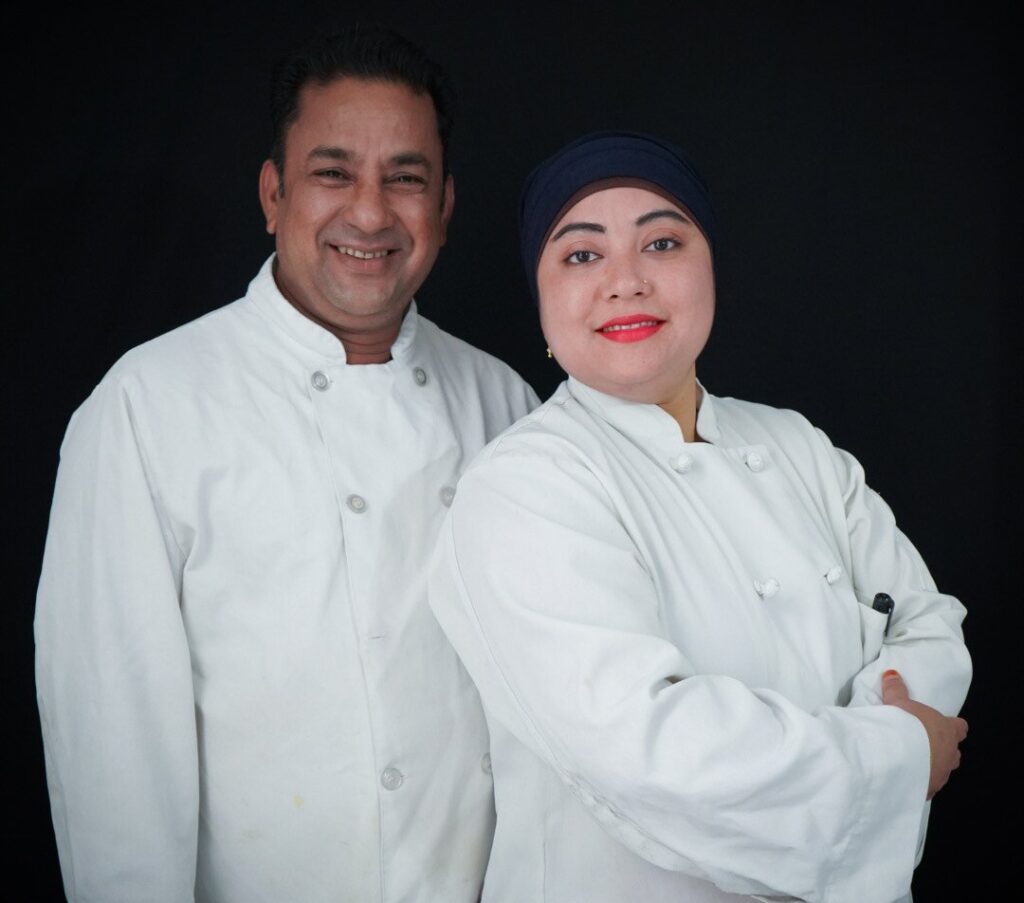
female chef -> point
(680, 610)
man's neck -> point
(365, 347)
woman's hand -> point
(944, 734)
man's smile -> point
(362, 255)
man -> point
(243, 694)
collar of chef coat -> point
(645, 421)
(267, 297)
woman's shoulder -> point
(751, 422)
(559, 434)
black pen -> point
(883, 603)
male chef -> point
(244, 697)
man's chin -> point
(362, 311)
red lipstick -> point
(634, 328)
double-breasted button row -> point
(322, 382)
(358, 504)
(683, 463)
(770, 587)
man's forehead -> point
(361, 97)
(357, 116)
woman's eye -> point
(662, 244)
(581, 257)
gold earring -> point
(550, 355)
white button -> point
(391, 778)
(357, 503)
(485, 763)
(447, 495)
(755, 462)
(682, 463)
(833, 574)
(768, 588)
(419, 374)
(321, 381)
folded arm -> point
(540, 589)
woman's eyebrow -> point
(657, 214)
(581, 227)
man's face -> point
(364, 206)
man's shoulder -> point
(215, 328)
(462, 353)
(222, 339)
(460, 361)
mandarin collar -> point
(268, 300)
(645, 421)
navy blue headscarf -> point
(595, 158)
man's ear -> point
(447, 205)
(270, 194)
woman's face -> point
(627, 294)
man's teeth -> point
(363, 255)
(620, 326)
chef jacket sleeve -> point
(112, 670)
(924, 641)
(540, 589)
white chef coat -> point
(244, 696)
(678, 659)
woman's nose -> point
(625, 281)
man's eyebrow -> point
(411, 158)
(577, 227)
(326, 152)
(658, 214)
(330, 152)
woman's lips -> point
(634, 328)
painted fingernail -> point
(892, 672)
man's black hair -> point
(368, 52)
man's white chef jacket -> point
(243, 693)
(678, 659)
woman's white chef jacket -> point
(243, 692)
(680, 668)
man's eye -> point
(407, 178)
(581, 257)
(662, 244)
(332, 173)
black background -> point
(863, 170)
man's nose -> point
(368, 209)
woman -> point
(666, 598)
